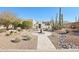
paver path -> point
(44, 42)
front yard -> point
(18, 40)
(65, 40)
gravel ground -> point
(65, 41)
(5, 41)
(54, 39)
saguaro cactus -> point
(60, 18)
(57, 23)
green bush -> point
(27, 24)
(23, 25)
(15, 24)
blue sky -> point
(42, 13)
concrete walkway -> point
(44, 43)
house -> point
(46, 25)
(35, 25)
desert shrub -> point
(25, 38)
(19, 29)
(7, 34)
(11, 32)
(15, 32)
(67, 31)
(16, 40)
(46, 29)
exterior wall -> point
(35, 25)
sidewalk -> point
(44, 42)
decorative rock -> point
(67, 45)
(64, 46)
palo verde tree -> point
(16, 23)
(6, 18)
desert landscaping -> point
(17, 33)
(19, 40)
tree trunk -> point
(7, 28)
